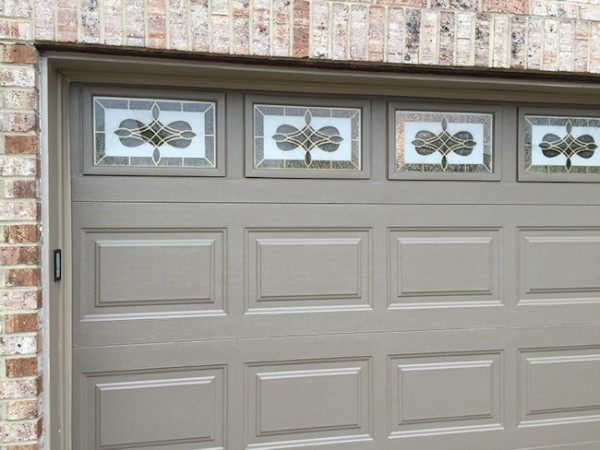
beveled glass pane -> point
(561, 144)
(454, 142)
(153, 132)
(307, 138)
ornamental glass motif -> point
(307, 138)
(153, 133)
(562, 144)
(429, 141)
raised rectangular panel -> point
(445, 393)
(560, 385)
(439, 267)
(312, 401)
(308, 269)
(150, 272)
(154, 271)
(155, 409)
(559, 265)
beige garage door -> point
(272, 271)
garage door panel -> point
(341, 273)
(427, 390)
(166, 408)
(302, 270)
(132, 273)
(446, 392)
(560, 385)
(445, 267)
(311, 401)
(559, 265)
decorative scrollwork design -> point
(133, 133)
(288, 138)
(427, 143)
(569, 145)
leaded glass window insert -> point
(307, 138)
(567, 145)
(136, 132)
(443, 142)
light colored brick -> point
(18, 345)
(281, 44)
(534, 43)
(321, 38)
(45, 20)
(178, 25)
(594, 62)
(19, 211)
(429, 37)
(261, 28)
(566, 46)
(19, 431)
(17, 76)
(19, 99)
(240, 40)
(219, 26)
(199, 25)
(396, 35)
(376, 33)
(551, 44)
(340, 42)
(581, 46)
(113, 22)
(16, 166)
(135, 23)
(502, 42)
(90, 21)
(157, 24)
(464, 55)
(22, 409)
(17, 121)
(15, 30)
(404, 3)
(13, 300)
(591, 12)
(359, 32)
(67, 20)
(506, 6)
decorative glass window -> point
(561, 145)
(305, 141)
(136, 132)
(428, 144)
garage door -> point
(257, 271)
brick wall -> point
(543, 35)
